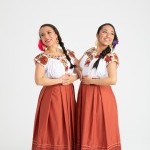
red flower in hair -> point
(41, 46)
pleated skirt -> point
(97, 119)
(54, 121)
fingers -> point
(66, 82)
(69, 79)
(85, 80)
(65, 77)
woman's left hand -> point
(70, 79)
(86, 80)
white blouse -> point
(55, 67)
(88, 60)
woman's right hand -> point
(79, 72)
(63, 78)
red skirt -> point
(54, 120)
(97, 119)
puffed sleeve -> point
(41, 59)
(111, 57)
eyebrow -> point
(50, 30)
(107, 30)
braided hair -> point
(108, 49)
(60, 42)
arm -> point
(110, 80)
(70, 79)
(40, 78)
(77, 69)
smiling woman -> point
(54, 120)
(97, 119)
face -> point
(106, 35)
(48, 36)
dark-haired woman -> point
(97, 120)
(54, 120)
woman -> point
(54, 120)
(97, 121)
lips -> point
(107, 40)
(47, 41)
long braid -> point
(102, 55)
(65, 51)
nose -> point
(46, 36)
(108, 34)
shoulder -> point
(111, 57)
(41, 58)
(90, 51)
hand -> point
(86, 80)
(63, 78)
(79, 73)
(69, 79)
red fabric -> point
(97, 119)
(40, 45)
(54, 121)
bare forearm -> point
(44, 81)
(104, 81)
(70, 79)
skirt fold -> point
(54, 121)
(97, 119)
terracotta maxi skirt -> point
(97, 119)
(54, 120)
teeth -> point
(47, 40)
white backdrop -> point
(77, 22)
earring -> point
(57, 41)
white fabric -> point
(54, 68)
(100, 72)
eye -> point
(42, 35)
(112, 34)
(49, 32)
(104, 31)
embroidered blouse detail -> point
(56, 66)
(90, 57)
(64, 61)
(111, 57)
(42, 59)
(91, 53)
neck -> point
(52, 49)
(101, 48)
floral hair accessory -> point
(41, 45)
(114, 43)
